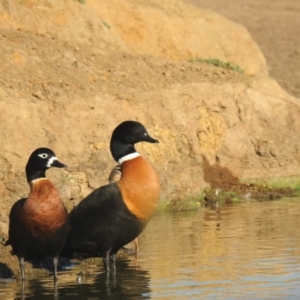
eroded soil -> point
(273, 24)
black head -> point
(132, 132)
(126, 135)
(39, 161)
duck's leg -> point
(55, 290)
(55, 263)
(112, 259)
(106, 262)
(22, 267)
(23, 290)
(136, 245)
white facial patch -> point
(128, 157)
(50, 161)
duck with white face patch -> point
(38, 224)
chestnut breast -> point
(43, 211)
(139, 186)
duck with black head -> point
(38, 224)
(115, 214)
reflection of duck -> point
(115, 214)
(38, 224)
(129, 282)
(38, 288)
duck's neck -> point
(128, 157)
(120, 150)
(32, 174)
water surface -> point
(245, 251)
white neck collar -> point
(128, 157)
(38, 179)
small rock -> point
(38, 94)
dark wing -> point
(101, 199)
(15, 224)
(92, 219)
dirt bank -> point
(74, 71)
(273, 25)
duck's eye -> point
(43, 155)
(145, 133)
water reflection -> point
(129, 282)
(249, 251)
(233, 251)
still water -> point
(245, 251)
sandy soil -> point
(273, 24)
